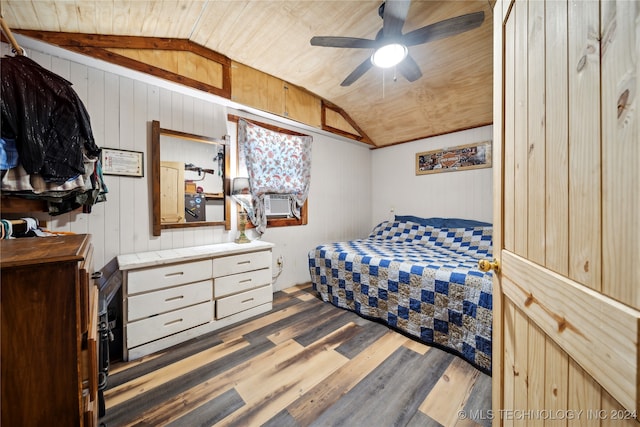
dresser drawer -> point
(153, 328)
(149, 304)
(240, 282)
(243, 301)
(150, 279)
(224, 266)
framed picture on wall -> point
(122, 162)
(462, 157)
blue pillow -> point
(443, 222)
(433, 222)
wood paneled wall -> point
(181, 63)
(193, 65)
(121, 107)
(257, 89)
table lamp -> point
(241, 194)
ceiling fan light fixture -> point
(389, 55)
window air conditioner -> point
(278, 205)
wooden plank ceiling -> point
(454, 92)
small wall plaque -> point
(122, 162)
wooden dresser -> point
(49, 329)
(173, 295)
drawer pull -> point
(244, 262)
(174, 298)
(177, 273)
(173, 322)
(244, 281)
(247, 300)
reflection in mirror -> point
(188, 173)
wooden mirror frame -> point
(156, 132)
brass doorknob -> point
(486, 265)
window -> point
(279, 161)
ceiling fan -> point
(390, 45)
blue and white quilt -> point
(419, 279)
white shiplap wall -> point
(462, 194)
(121, 108)
(352, 187)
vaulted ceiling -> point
(454, 92)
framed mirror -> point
(189, 180)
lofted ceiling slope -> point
(454, 92)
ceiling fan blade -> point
(395, 13)
(409, 69)
(442, 29)
(330, 41)
(357, 73)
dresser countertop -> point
(42, 250)
(170, 256)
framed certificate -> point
(122, 162)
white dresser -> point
(173, 295)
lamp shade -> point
(241, 194)
(240, 185)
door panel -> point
(567, 217)
(557, 133)
(598, 332)
(508, 387)
(621, 151)
(520, 175)
(535, 148)
(171, 192)
(584, 143)
(508, 189)
(543, 385)
(556, 380)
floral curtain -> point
(276, 163)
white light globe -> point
(389, 55)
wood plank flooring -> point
(305, 363)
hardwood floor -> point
(305, 363)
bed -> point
(420, 277)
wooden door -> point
(567, 212)
(171, 192)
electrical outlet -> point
(280, 261)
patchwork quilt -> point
(419, 279)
